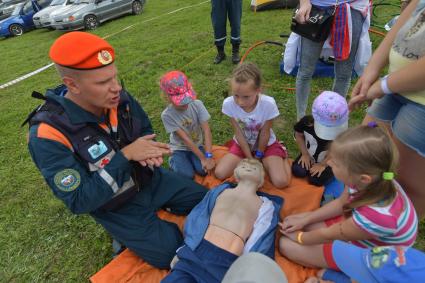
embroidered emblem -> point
(67, 180)
(104, 162)
(379, 256)
(97, 149)
(104, 57)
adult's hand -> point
(361, 88)
(152, 162)
(145, 149)
(303, 13)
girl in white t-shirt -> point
(251, 115)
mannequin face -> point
(250, 170)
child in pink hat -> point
(314, 133)
(186, 120)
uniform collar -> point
(75, 113)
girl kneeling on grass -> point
(375, 210)
(251, 115)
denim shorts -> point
(407, 119)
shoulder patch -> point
(67, 180)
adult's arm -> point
(378, 61)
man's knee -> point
(159, 248)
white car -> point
(44, 18)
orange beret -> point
(81, 50)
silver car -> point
(43, 19)
(88, 14)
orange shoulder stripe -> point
(46, 131)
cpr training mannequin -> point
(228, 222)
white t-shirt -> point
(252, 122)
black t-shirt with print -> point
(316, 146)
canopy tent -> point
(261, 5)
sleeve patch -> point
(67, 180)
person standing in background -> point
(220, 11)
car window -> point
(57, 2)
(44, 3)
(82, 1)
(28, 8)
(17, 9)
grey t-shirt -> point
(188, 120)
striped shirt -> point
(393, 224)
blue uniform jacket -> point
(56, 160)
(262, 238)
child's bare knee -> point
(281, 182)
(219, 173)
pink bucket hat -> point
(176, 86)
(330, 113)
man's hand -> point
(152, 162)
(306, 161)
(208, 164)
(303, 13)
(317, 169)
(146, 150)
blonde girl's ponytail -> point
(368, 150)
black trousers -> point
(299, 171)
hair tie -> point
(388, 176)
(372, 124)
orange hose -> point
(249, 50)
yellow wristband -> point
(299, 238)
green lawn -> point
(40, 240)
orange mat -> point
(299, 197)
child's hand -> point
(291, 235)
(294, 222)
(317, 169)
(208, 164)
(306, 161)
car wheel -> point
(16, 30)
(137, 7)
(91, 22)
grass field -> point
(40, 240)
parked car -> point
(7, 7)
(21, 18)
(43, 19)
(88, 14)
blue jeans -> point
(186, 163)
(310, 53)
(406, 117)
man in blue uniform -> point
(95, 147)
(220, 11)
